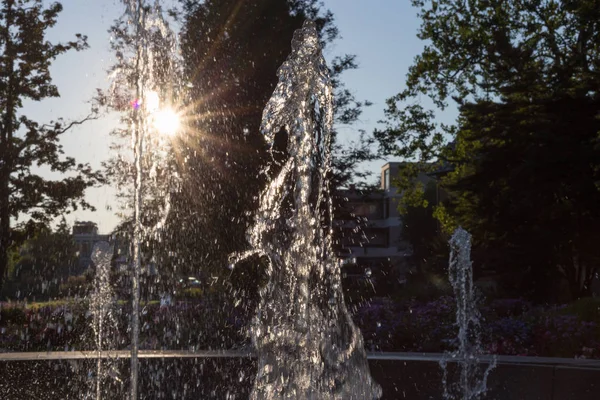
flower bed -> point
(69, 326)
(509, 327)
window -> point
(369, 209)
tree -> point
(540, 212)
(420, 229)
(525, 157)
(25, 143)
(41, 262)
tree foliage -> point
(524, 152)
(420, 229)
(43, 260)
(26, 144)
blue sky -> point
(382, 33)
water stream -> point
(101, 304)
(308, 347)
(148, 32)
(472, 379)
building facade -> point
(370, 230)
(85, 235)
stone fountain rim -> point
(373, 356)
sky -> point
(381, 33)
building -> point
(85, 235)
(122, 247)
(370, 230)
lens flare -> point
(166, 122)
(135, 104)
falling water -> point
(308, 346)
(150, 33)
(101, 303)
(472, 383)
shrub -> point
(12, 315)
(428, 326)
(377, 320)
(509, 336)
(586, 309)
(191, 293)
(565, 336)
(423, 288)
(509, 326)
(503, 308)
(76, 286)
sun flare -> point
(166, 122)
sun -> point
(166, 122)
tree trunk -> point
(6, 149)
(580, 277)
(4, 234)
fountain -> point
(308, 347)
(471, 384)
(145, 31)
(101, 306)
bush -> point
(51, 327)
(61, 326)
(424, 287)
(509, 336)
(427, 326)
(191, 293)
(412, 326)
(377, 320)
(509, 326)
(586, 309)
(76, 286)
(12, 315)
(567, 336)
(503, 308)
